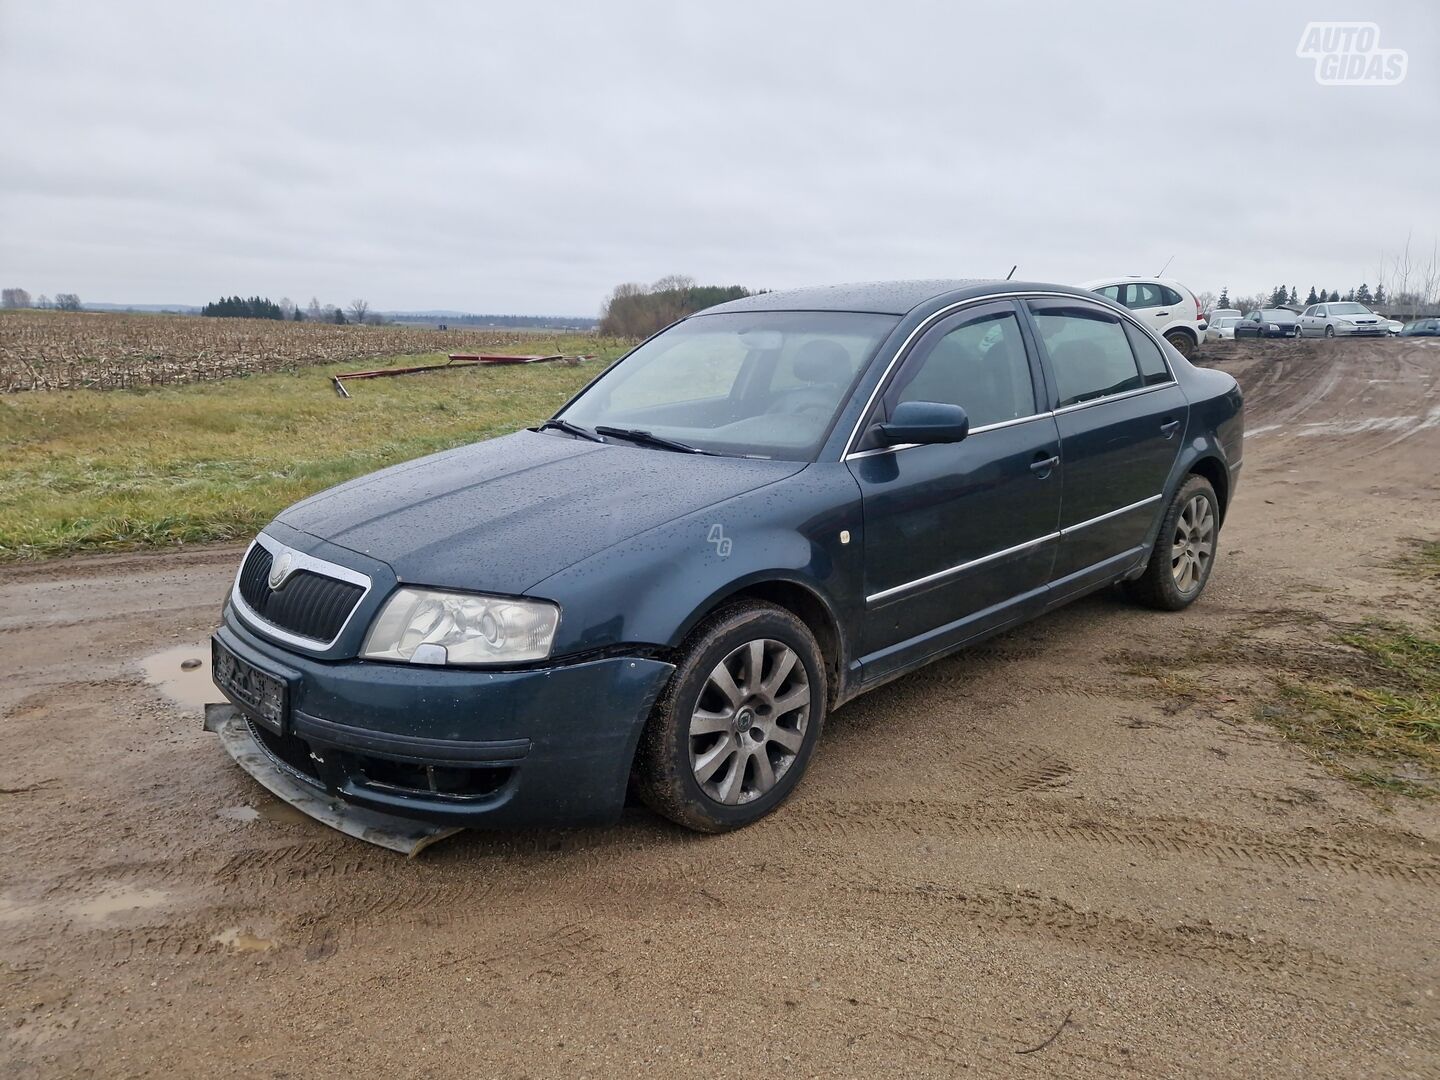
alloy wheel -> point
(1193, 545)
(749, 721)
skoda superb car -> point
(759, 513)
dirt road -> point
(1080, 827)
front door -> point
(1121, 419)
(959, 536)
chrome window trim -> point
(1077, 406)
(1020, 420)
(1017, 294)
(1057, 535)
(302, 561)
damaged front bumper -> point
(448, 746)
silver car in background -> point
(1343, 319)
(1222, 328)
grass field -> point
(97, 471)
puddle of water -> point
(117, 901)
(237, 940)
(270, 809)
(185, 685)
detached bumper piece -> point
(243, 742)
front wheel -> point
(1183, 343)
(1329, 331)
(1184, 552)
(731, 736)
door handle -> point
(1169, 427)
(1042, 466)
(1162, 313)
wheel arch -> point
(803, 601)
(1213, 469)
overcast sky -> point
(525, 157)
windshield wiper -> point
(645, 438)
(570, 429)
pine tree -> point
(1379, 294)
(1363, 293)
(1334, 295)
(1311, 298)
(1224, 296)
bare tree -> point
(14, 298)
(358, 310)
(43, 301)
(287, 307)
(67, 301)
(315, 312)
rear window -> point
(1153, 369)
(1170, 296)
(1089, 353)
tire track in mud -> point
(905, 906)
(1158, 838)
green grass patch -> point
(86, 470)
(1422, 559)
(1385, 712)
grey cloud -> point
(528, 157)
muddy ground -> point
(1080, 827)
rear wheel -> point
(1184, 552)
(732, 734)
(1182, 342)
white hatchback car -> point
(1169, 308)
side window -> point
(1089, 353)
(1111, 292)
(1143, 295)
(1153, 369)
(979, 365)
(1308, 311)
(1320, 310)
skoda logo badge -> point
(281, 570)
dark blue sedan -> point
(759, 513)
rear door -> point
(1121, 419)
(959, 536)
(1147, 301)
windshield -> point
(1348, 309)
(762, 384)
(1228, 321)
(1276, 314)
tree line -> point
(637, 311)
(285, 309)
(1280, 295)
(19, 298)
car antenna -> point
(1012, 271)
(1166, 266)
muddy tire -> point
(1182, 342)
(735, 728)
(1184, 552)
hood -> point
(501, 515)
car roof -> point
(883, 297)
(1100, 283)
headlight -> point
(1345, 322)
(426, 626)
(1275, 327)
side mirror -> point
(925, 422)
